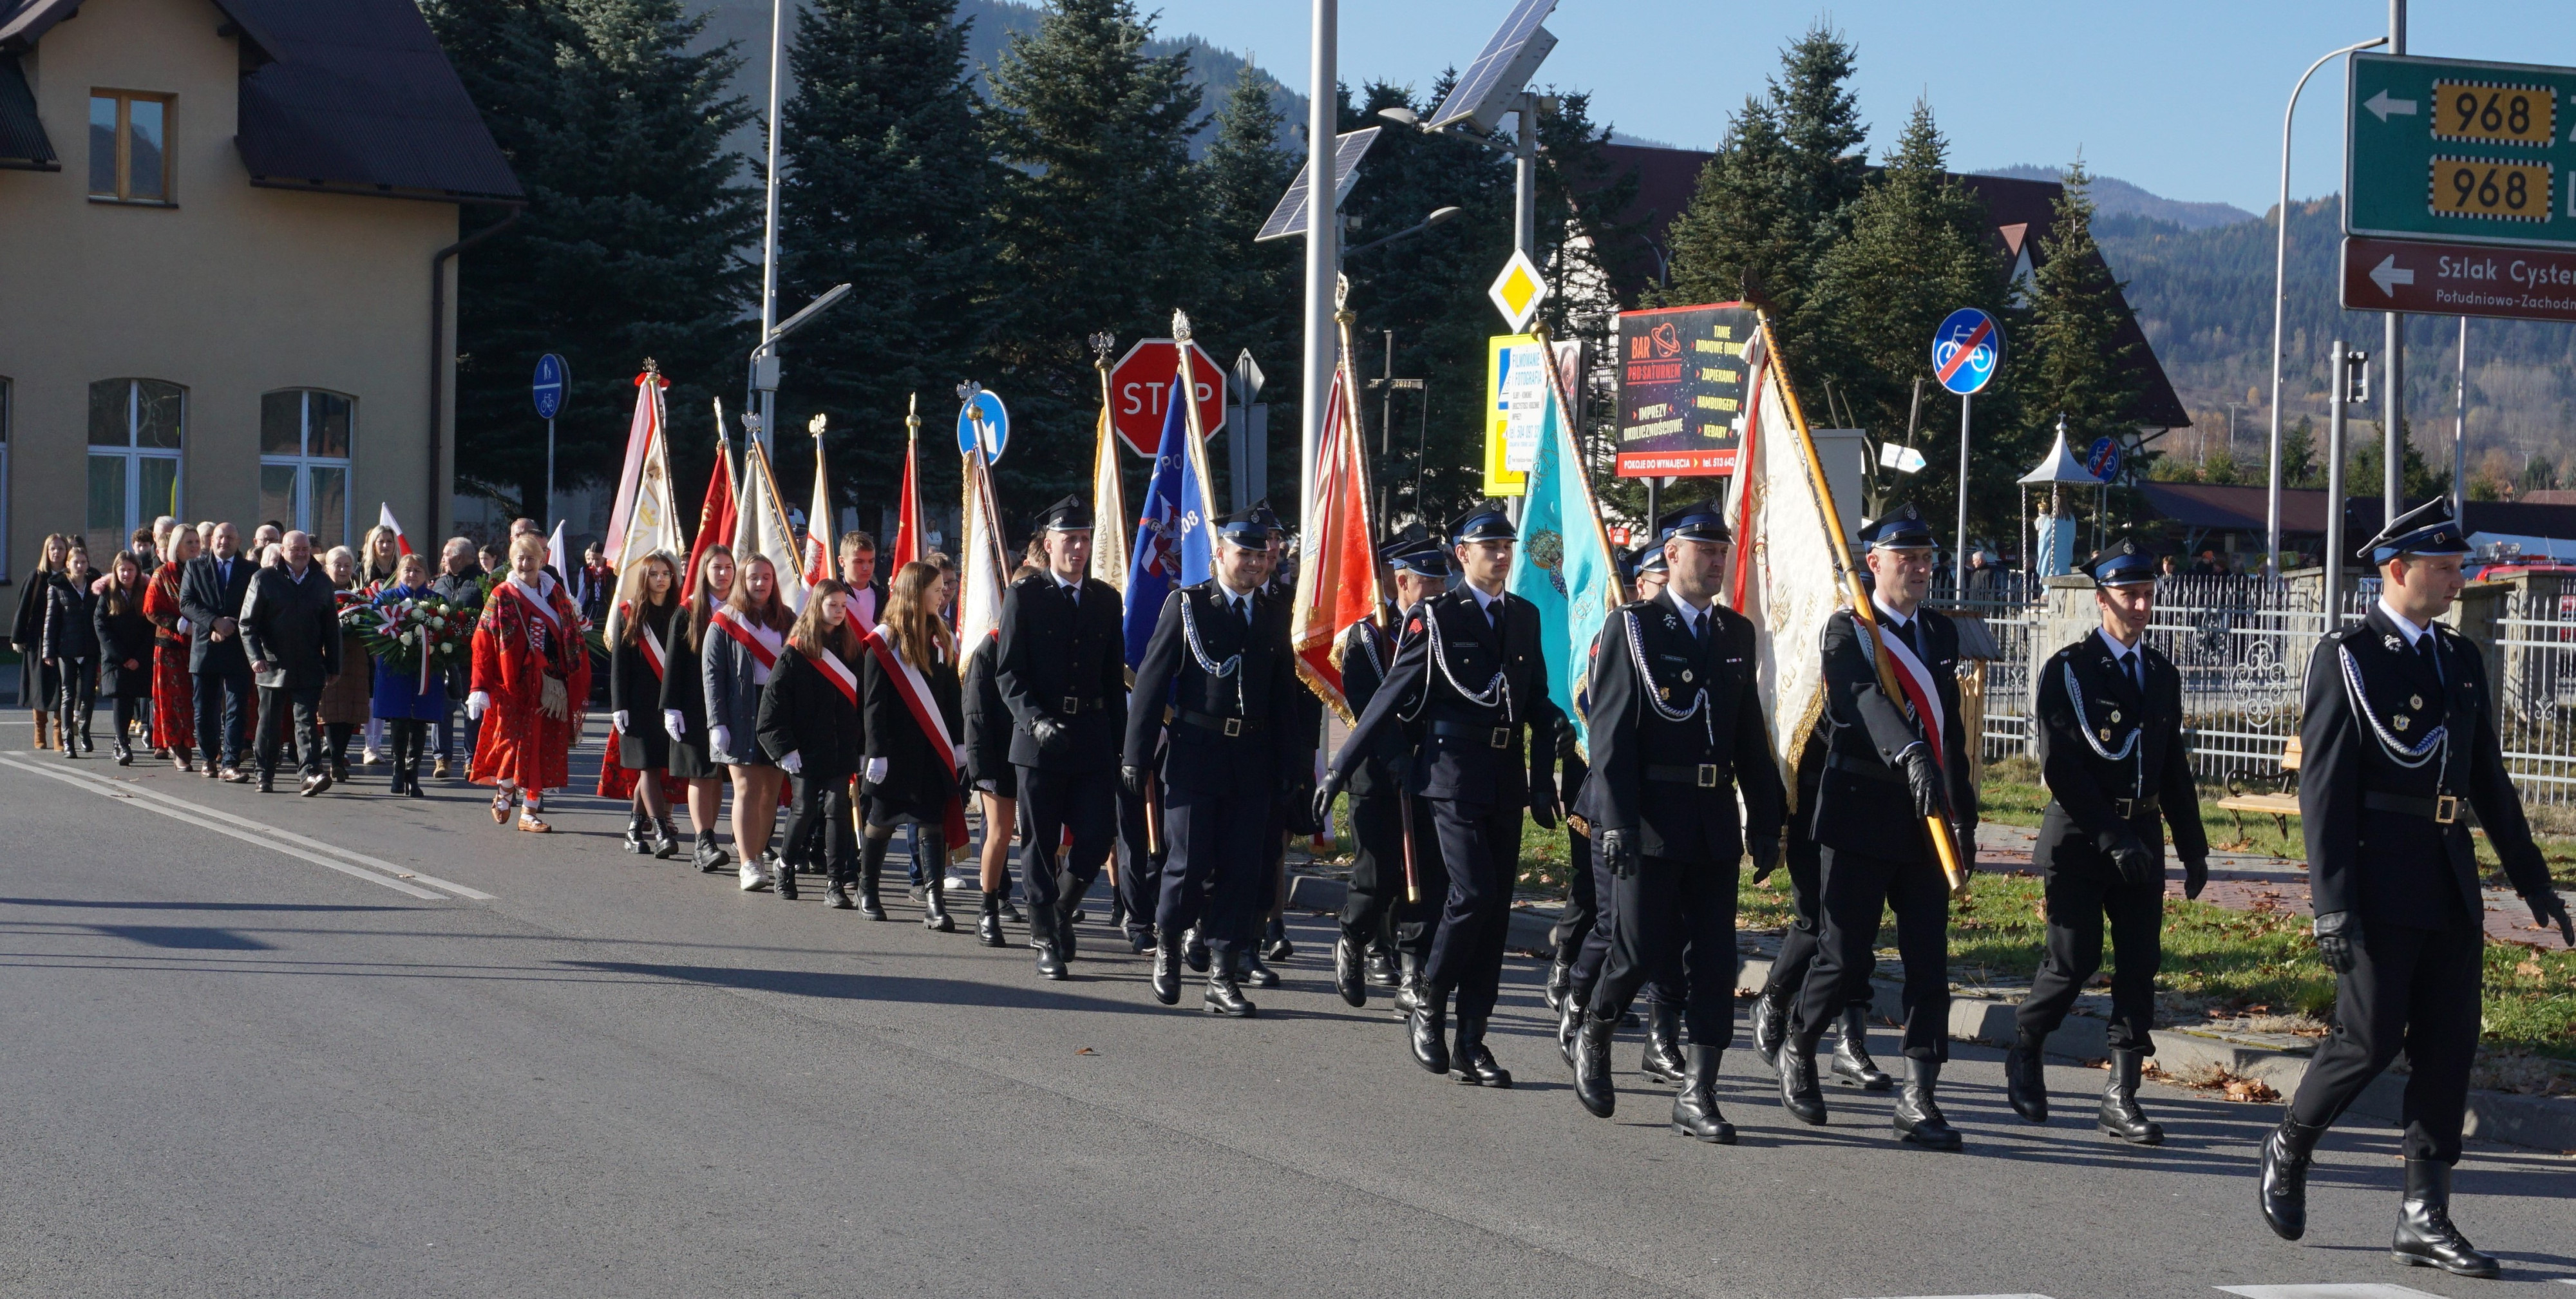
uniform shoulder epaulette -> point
(1031, 580)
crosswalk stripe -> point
(2338, 1290)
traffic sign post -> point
(1966, 350)
(2102, 459)
(983, 422)
(1141, 383)
(2460, 151)
(553, 381)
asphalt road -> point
(239, 1063)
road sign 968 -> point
(2484, 187)
(2467, 110)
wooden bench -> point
(2279, 806)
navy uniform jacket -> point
(1252, 691)
(2383, 740)
(1066, 662)
(1368, 650)
(1449, 652)
(1676, 729)
(2102, 748)
(1863, 805)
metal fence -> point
(2242, 646)
(2535, 665)
(2009, 607)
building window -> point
(129, 147)
(304, 463)
(135, 430)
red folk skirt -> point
(174, 709)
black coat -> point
(988, 720)
(27, 633)
(634, 689)
(917, 783)
(2399, 866)
(1065, 662)
(1256, 697)
(803, 712)
(1449, 648)
(1863, 805)
(465, 592)
(1677, 729)
(2100, 742)
(71, 620)
(121, 636)
(1368, 650)
(204, 596)
(294, 625)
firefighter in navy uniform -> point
(1375, 910)
(1677, 731)
(2112, 755)
(1062, 671)
(1886, 769)
(2399, 743)
(1219, 662)
(1582, 917)
(1471, 678)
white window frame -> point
(304, 463)
(134, 456)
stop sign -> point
(1140, 388)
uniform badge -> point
(2391, 643)
(2115, 715)
(1686, 676)
(2414, 701)
(2401, 721)
(1663, 692)
(2106, 735)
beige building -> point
(222, 222)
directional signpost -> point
(1966, 350)
(2447, 279)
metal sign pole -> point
(550, 472)
(1959, 541)
(2460, 433)
(1322, 206)
(1525, 178)
(2392, 397)
(2337, 394)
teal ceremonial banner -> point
(1564, 564)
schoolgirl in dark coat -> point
(69, 640)
(684, 706)
(124, 649)
(914, 773)
(638, 666)
(809, 726)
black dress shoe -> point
(1799, 1093)
(1917, 1116)
(1140, 939)
(1167, 974)
(666, 836)
(1194, 949)
(1427, 1029)
(1852, 1064)
(1560, 976)
(1592, 1084)
(1475, 1064)
(2026, 1077)
(1253, 971)
(1663, 1058)
(2425, 1236)
(124, 754)
(1347, 978)
(706, 856)
(2282, 1184)
(635, 834)
(1223, 997)
(314, 784)
(1695, 1106)
(838, 894)
(1011, 912)
(2120, 1115)
(988, 930)
(786, 875)
(267, 784)
(1770, 1025)
(1050, 962)
(1381, 969)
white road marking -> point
(1994, 1296)
(109, 789)
(2344, 1290)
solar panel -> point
(1288, 220)
(1480, 96)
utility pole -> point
(2392, 393)
(1322, 104)
(764, 360)
(1525, 178)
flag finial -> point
(1102, 344)
(815, 425)
(1180, 326)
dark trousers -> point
(274, 704)
(77, 695)
(1664, 983)
(127, 712)
(1140, 868)
(447, 727)
(1854, 887)
(818, 824)
(1481, 845)
(1051, 802)
(2415, 989)
(1582, 893)
(2082, 887)
(1217, 876)
(223, 714)
(1376, 906)
(1674, 915)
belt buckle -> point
(1233, 727)
(1502, 738)
(1708, 775)
(1072, 704)
(2126, 807)
(2446, 808)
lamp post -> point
(1322, 106)
(764, 363)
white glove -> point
(619, 718)
(476, 704)
(957, 755)
(182, 628)
(720, 739)
(792, 764)
(676, 722)
(876, 771)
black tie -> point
(2137, 666)
(1494, 614)
(1699, 629)
(2432, 653)
(1243, 607)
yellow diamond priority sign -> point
(1518, 290)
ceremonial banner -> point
(984, 565)
(907, 510)
(1174, 534)
(385, 519)
(1109, 510)
(652, 510)
(818, 517)
(642, 431)
(763, 529)
(716, 514)
(1564, 563)
(1337, 575)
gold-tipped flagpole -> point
(1936, 827)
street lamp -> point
(1523, 149)
(1416, 228)
(764, 360)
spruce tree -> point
(2073, 362)
(1102, 224)
(630, 243)
(884, 186)
(1256, 297)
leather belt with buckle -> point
(1497, 737)
(1706, 775)
(2442, 809)
(1226, 726)
(2131, 809)
(1075, 704)
(1864, 768)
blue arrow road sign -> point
(1965, 350)
(552, 378)
(984, 408)
(2103, 459)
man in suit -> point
(1416, 568)
(1218, 665)
(1062, 672)
(210, 599)
(1890, 763)
(460, 583)
(1472, 675)
(1677, 732)
(2399, 740)
(290, 627)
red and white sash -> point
(537, 603)
(649, 641)
(1916, 681)
(908, 682)
(760, 642)
(836, 672)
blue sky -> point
(2183, 97)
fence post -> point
(2477, 616)
(2065, 614)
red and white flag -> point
(818, 518)
(907, 527)
(1337, 576)
(716, 513)
(641, 430)
(385, 519)
(984, 565)
(762, 529)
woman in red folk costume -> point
(915, 734)
(809, 726)
(174, 710)
(531, 672)
(639, 758)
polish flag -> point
(716, 513)
(818, 518)
(385, 519)
(907, 527)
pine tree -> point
(2073, 363)
(884, 185)
(630, 244)
(1256, 300)
(1103, 224)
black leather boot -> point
(2025, 1077)
(1799, 1092)
(2283, 1181)
(1248, 964)
(1592, 1084)
(871, 867)
(1918, 1116)
(1569, 1022)
(784, 872)
(1381, 967)
(1663, 1058)
(1475, 1064)
(1427, 1027)
(1167, 972)
(1347, 978)
(1852, 1063)
(1274, 943)
(1194, 949)
(2425, 1236)
(934, 907)
(1770, 1027)
(1068, 910)
(634, 831)
(1695, 1106)
(1408, 985)
(988, 926)
(2120, 1115)
(706, 856)
(1042, 940)
(1560, 976)
(666, 836)
(1224, 996)
(836, 889)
